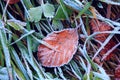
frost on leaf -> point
(65, 45)
(98, 26)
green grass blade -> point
(87, 6)
(6, 52)
(20, 75)
(29, 33)
(64, 9)
(19, 63)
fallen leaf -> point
(65, 45)
(12, 1)
(98, 26)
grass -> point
(22, 30)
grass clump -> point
(23, 25)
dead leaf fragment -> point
(65, 45)
(117, 73)
(98, 26)
(12, 1)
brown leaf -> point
(12, 1)
(98, 26)
(65, 45)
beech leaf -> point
(64, 43)
(98, 26)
